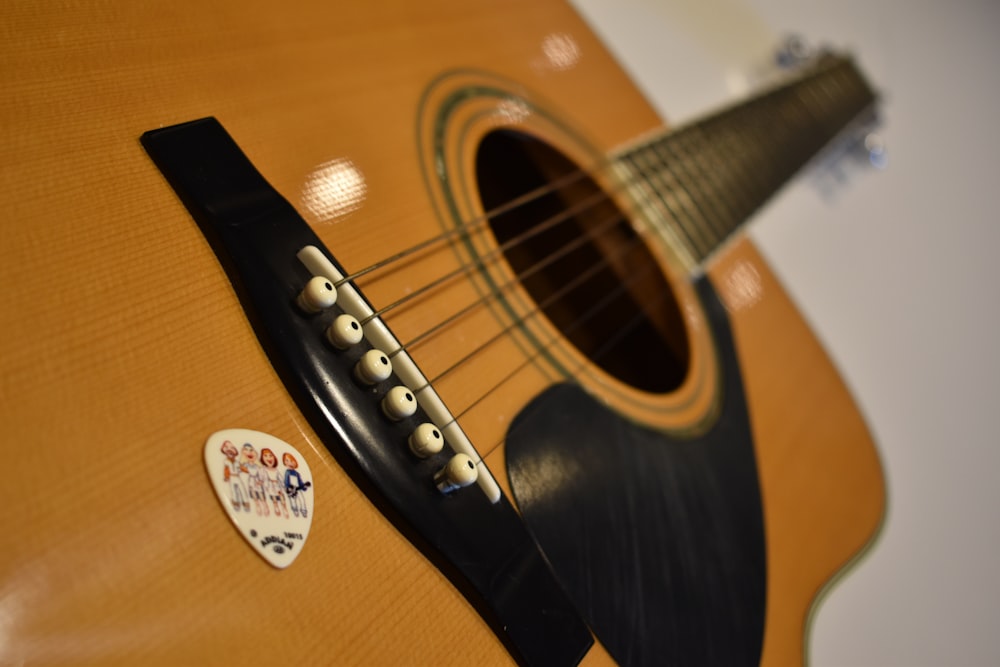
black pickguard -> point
(482, 547)
(658, 540)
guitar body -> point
(124, 345)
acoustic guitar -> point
(548, 404)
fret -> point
(724, 192)
(705, 180)
(677, 201)
(751, 155)
(693, 179)
(694, 217)
(729, 188)
(781, 133)
(756, 161)
(733, 161)
(662, 219)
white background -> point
(894, 270)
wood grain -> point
(124, 346)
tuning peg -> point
(793, 52)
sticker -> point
(265, 486)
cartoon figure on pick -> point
(273, 483)
(255, 478)
(231, 476)
(274, 478)
(295, 487)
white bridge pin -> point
(265, 487)
(399, 403)
(344, 332)
(373, 367)
(460, 471)
(318, 294)
(426, 440)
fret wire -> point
(746, 160)
(677, 203)
(757, 146)
(774, 135)
(797, 125)
(737, 164)
(727, 173)
(714, 174)
(679, 166)
(811, 97)
(713, 189)
(811, 126)
(681, 212)
(840, 91)
(701, 221)
(690, 163)
(727, 164)
(793, 123)
(697, 219)
(840, 87)
(724, 192)
(770, 134)
(684, 210)
(848, 91)
(833, 88)
(664, 214)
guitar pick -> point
(265, 486)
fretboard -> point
(703, 181)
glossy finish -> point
(820, 477)
(265, 488)
(109, 395)
(659, 540)
(480, 545)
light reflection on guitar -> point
(108, 385)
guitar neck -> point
(704, 180)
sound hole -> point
(622, 314)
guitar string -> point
(479, 220)
(791, 92)
(517, 279)
(663, 166)
(589, 359)
(613, 340)
(594, 310)
(637, 176)
(602, 196)
(539, 308)
(479, 224)
(619, 217)
(582, 365)
(514, 281)
(483, 261)
(588, 315)
(687, 165)
(573, 373)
